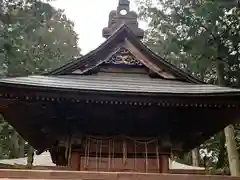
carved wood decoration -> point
(123, 56)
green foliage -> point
(34, 38)
(202, 37)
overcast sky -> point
(90, 17)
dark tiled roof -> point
(110, 82)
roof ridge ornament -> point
(125, 2)
(121, 16)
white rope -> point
(140, 141)
(113, 153)
(70, 151)
(135, 158)
(157, 153)
(109, 154)
(146, 152)
(67, 147)
(85, 154)
(100, 154)
(97, 155)
(124, 152)
(88, 151)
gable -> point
(126, 59)
(124, 49)
(120, 58)
(119, 61)
(122, 61)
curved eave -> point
(15, 114)
(114, 84)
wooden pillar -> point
(164, 163)
(75, 161)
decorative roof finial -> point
(123, 2)
(123, 15)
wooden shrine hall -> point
(120, 108)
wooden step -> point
(81, 175)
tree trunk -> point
(30, 157)
(233, 156)
(15, 145)
(221, 156)
(195, 157)
(21, 147)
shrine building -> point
(120, 108)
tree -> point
(38, 39)
(34, 38)
(202, 38)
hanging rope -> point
(85, 153)
(87, 149)
(146, 152)
(100, 153)
(70, 152)
(68, 149)
(157, 153)
(124, 152)
(113, 153)
(88, 152)
(135, 158)
(109, 154)
(139, 141)
(96, 154)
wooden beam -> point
(144, 60)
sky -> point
(90, 17)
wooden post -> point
(164, 163)
(75, 161)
